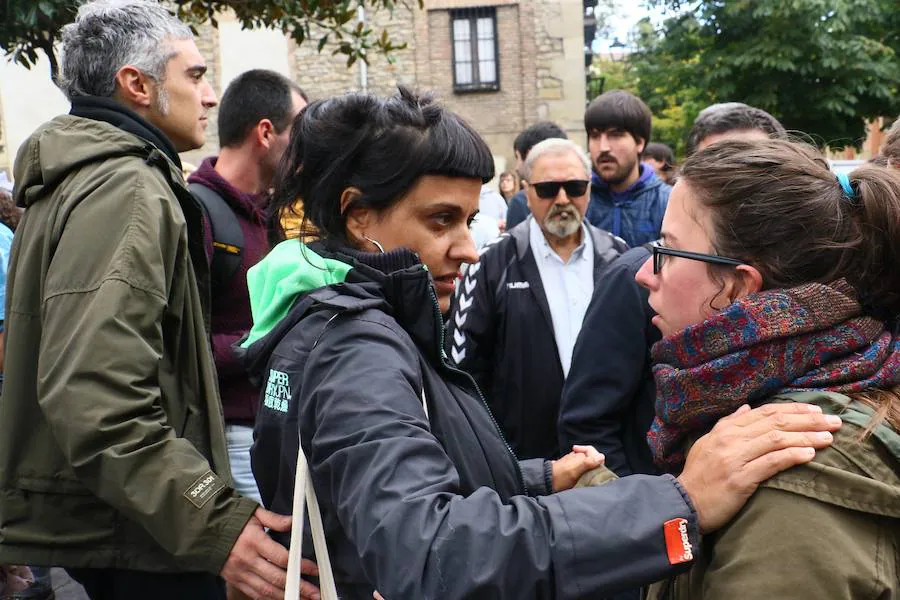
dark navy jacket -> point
(501, 331)
(608, 400)
(635, 214)
(434, 505)
(517, 210)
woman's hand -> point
(725, 466)
(573, 465)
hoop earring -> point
(377, 245)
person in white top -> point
(558, 196)
(491, 204)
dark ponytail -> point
(876, 272)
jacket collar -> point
(520, 234)
(400, 280)
(646, 178)
(112, 112)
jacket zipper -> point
(440, 330)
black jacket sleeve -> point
(608, 364)
(397, 496)
(472, 326)
(538, 476)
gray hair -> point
(110, 34)
(731, 116)
(555, 147)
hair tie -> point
(844, 180)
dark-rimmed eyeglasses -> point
(575, 188)
(660, 253)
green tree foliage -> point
(30, 26)
(822, 67)
(674, 102)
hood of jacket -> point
(97, 129)
(251, 205)
(854, 473)
(294, 277)
(647, 180)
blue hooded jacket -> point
(634, 214)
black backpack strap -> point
(228, 238)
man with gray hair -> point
(733, 121)
(113, 461)
(518, 312)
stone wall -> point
(559, 37)
(384, 76)
(497, 115)
(540, 62)
(322, 74)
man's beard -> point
(619, 175)
(560, 227)
(161, 101)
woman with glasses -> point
(420, 495)
(777, 281)
(509, 185)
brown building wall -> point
(496, 115)
(540, 66)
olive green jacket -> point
(828, 529)
(112, 449)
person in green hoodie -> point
(776, 281)
(420, 494)
(113, 461)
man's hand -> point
(308, 591)
(257, 564)
(725, 466)
(573, 465)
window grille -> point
(473, 34)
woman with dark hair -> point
(508, 184)
(776, 281)
(662, 159)
(421, 497)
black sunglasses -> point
(550, 189)
(660, 252)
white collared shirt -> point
(568, 287)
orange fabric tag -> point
(678, 542)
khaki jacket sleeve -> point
(104, 303)
(783, 545)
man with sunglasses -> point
(519, 310)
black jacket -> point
(608, 400)
(501, 331)
(517, 210)
(436, 505)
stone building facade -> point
(537, 61)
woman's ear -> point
(359, 219)
(747, 280)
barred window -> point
(474, 36)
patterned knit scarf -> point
(812, 337)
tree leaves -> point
(823, 67)
(27, 26)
